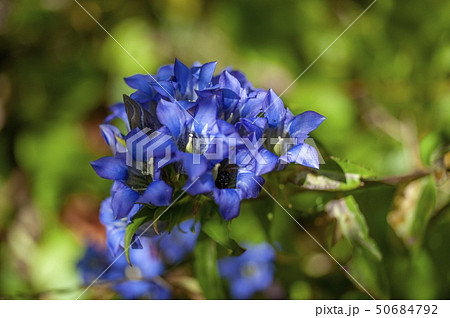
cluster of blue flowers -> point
(143, 280)
(210, 136)
(218, 132)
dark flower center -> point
(137, 180)
(223, 179)
(226, 175)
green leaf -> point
(158, 212)
(428, 146)
(182, 210)
(206, 267)
(352, 168)
(220, 234)
(365, 265)
(414, 204)
(370, 273)
(352, 224)
(336, 175)
(216, 228)
(144, 215)
(417, 268)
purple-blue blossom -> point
(174, 246)
(219, 132)
(249, 272)
(137, 282)
(171, 247)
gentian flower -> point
(173, 83)
(175, 245)
(172, 246)
(218, 131)
(115, 228)
(139, 281)
(284, 127)
(95, 260)
(131, 185)
(250, 272)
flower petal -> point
(158, 193)
(175, 245)
(230, 83)
(143, 147)
(249, 185)
(183, 76)
(194, 165)
(230, 88)
(172, 116)
(206, 115)
(140, 82)
(111, 134)
(204, 184)
(118, 111)
(148, 262)
(302, 154)
(242, 79)
(229, 202)
(228, 267)
(241, 288)
(253, 104)
(123, 201)
(165, 89)
(206, 74)
(268, 163)
(304, 123)
(165, 72)
(110, 168)
(274, 109)
(254, 125)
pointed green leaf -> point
(365, 265)
(428, 147)
(352, 224)
(206, 267)
(144, 215)
(370, 273)
(413, 206)
(336, 175)
(217, 229)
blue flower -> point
(207, 138)
(140, 281)
(250, 272)
(228, 183)
(218, 131)
(115, 228)
(175, 245)
(93, 263)
(131, 186)
(173, 83)
(287, 132)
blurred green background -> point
(384, 87)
